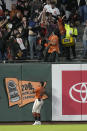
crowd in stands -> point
(41, 29)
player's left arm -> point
(44, 91)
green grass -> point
(73, 127)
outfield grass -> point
(73, 127)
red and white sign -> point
(69, 92)
(74, 93)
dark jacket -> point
(71, 4)
(82, 2)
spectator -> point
(62, 32)
(55, 11)
(13, 11)
(83, 10)
(85, 41)
(32, 42)
(47, 6)
(71, 43)
(52, 47)
(21, 45)
(24, 33)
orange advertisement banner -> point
(20, 92)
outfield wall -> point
(66, 90)
(27, 72)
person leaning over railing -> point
(62, 32)
(52, 47)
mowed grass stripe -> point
(73, 127)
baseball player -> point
(39, 91)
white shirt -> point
(20, 42)
(54, 11)
(47, 7)
(9, 3)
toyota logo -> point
(82, 90)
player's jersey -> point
(39, 92)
